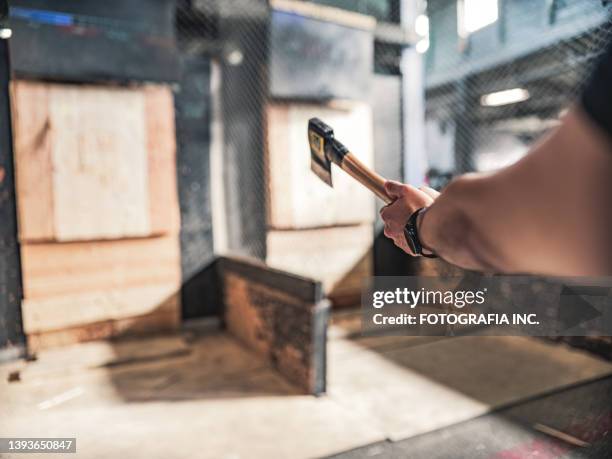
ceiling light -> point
(421, 25)
(508, 96)
(234, 57)
(422, 45)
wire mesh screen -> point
(233, 34)
(248, 74)
(498, 74)
(280, 63)
(493, 90)
(240, 79)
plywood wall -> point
(314, 230)
(280, 316)
(94, 162)
(297, 198)
(339, 257)
(97, 210)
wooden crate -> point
(52, 269)
(164, 321)
(94, 162)
(98, 210)
(281, 316)
(297, 198)
(90, 290)
(339, 257)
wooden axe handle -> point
(366, 176)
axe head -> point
(319, 136)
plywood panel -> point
(57, 313)
(94, 162)
(279, 168)
(33, 160)
(161, 148)
(100, 186)
(339, 257)
(163, 321)
(298, 198)
(289, 330)
(53, 269)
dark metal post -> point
(464, 128)
(12, 340)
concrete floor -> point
(531, 429)
(207, 396)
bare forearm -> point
(549, 213)
(451, 229)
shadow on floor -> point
(545, 400)
(216, 366)
(431, 396)
(547, 427)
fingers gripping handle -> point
(367, 177)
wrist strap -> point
(412, 235)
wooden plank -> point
(57, 313)
(298, 198)
(296, 286)
(161, 148)
(94, 162)
(290, 332)
(52, 269)
(33, 160)
(163, 321)
(100, 187)
(341, 257)
(326, 13)
(278, 170)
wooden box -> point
(98, 210)
(297, 197)
(280, 316)
(89, 290)
(341, 257)
(94, 162)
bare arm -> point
(549, 213)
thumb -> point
(394, 189)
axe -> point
(325, 150)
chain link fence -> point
(494, 82)
(248, 74)
(280, 63)
(493, 91)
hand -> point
(408, 199)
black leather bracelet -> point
(411, 233)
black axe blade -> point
(325, 149)
(319, 137)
